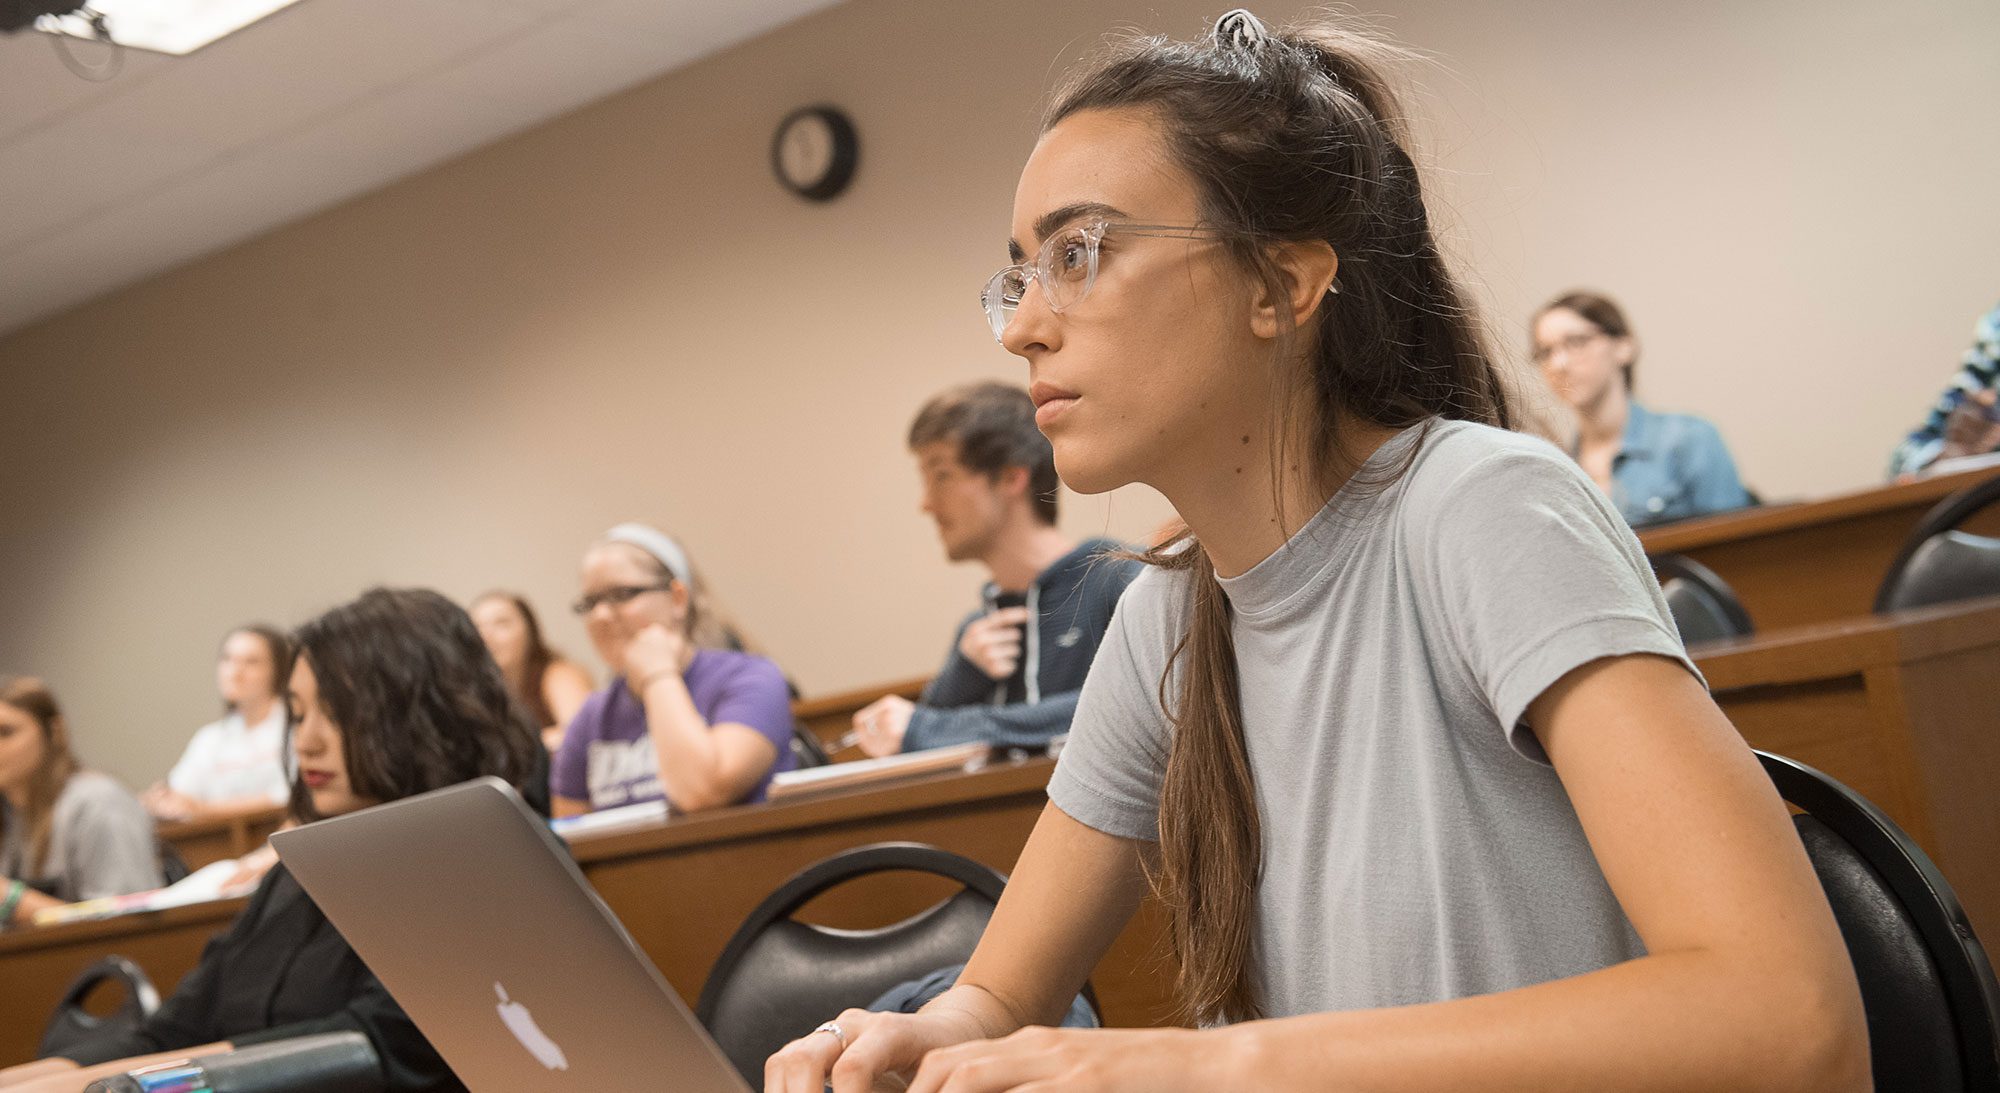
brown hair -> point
(992, 425)
(1290, 136)
(1599, 311)
(32, 697)
(535, 665)
(278, 646)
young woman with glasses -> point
(685, 717)
(1399, 730)
(1655, 466)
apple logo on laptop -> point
(522, 1024)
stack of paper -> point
(204, 884)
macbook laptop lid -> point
(481, 925)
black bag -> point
(72, 1024)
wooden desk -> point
(204, 842)
(1818, 561)
(684, 887)
(1904, 709)
(681, 888)
(36, 966)
(1899, 707)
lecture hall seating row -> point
(1899, 707)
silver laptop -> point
(477, 920)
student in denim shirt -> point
(1656, 467)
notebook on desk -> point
(889, 768)
(475, 917)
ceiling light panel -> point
(177, 27)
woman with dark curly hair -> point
(390, 696)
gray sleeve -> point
(1109, 775)
(109, 845)
(1537, 575)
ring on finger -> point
(835, 1031)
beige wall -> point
(459, 380)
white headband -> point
(656, 543)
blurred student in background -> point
(550, 686)
(1656, 467)
(391, 695)
(236, 764)
(66, 833)
(687, 716)
(1966, 420)
(1017, 662)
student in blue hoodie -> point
(1017, 663)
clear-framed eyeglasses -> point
(1066, 266)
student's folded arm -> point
(1021, 725)
(736, 759)
(1745, 986)
(704, 765)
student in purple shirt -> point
(684, 718)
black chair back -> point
(1939, 563)
(779, 977)
(1932, 1004)
(72, 1024)
(1704, 607)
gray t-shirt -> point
(101, 843)
(1417, 845)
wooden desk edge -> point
(219, 911)
(748, 821)
(1830, 650)
(806, 709)
(1778, 518)
(215, 825)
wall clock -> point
(815, 152)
